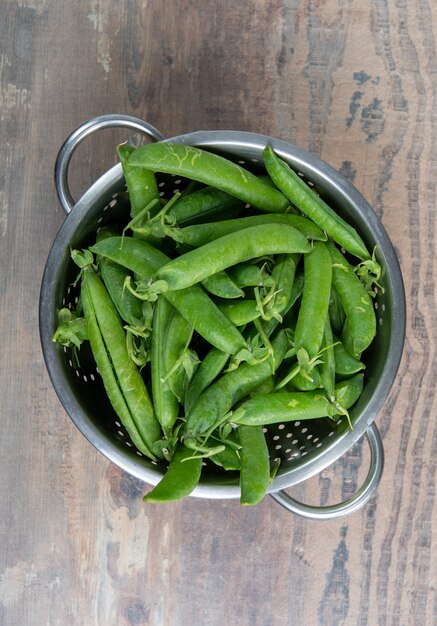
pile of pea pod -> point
(242, 301)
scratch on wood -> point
(334, 606)
(100, 21)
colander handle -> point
(353, 504)
(111, 120)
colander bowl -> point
(304, 448)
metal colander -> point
(304, 448)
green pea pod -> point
(299, 405)
(200, 234)
(356, 302)
(345, 363)
(305, 199)
(247, 274)
(210, 169)
(121, 378)
(336, 312)
(304, 383)
(193, 303)
(164, 400)
(208, 370)
(141, 182)
(229, 458)
(135, 254)
(288, 313)
(222, 285)
(327, 367)
(180, 479)
(196, 265)
(283, 274)
(195, 207)
(114, 275)
(310, 326)
(218, 399)
(241, 312)
(255, 464)
(180, 361)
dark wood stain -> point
(353, 82)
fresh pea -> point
(356, 302)
(181, 477)
(327, 366)
(164, 400)
(208, 370)
(198, 264)
(200, 234)
(114, 276)
(299, 405)
(240, 313)
(247, 274)
(301, 195)
(345, 363)
(255, 464)
(210, 169)
(310, 325)
(141, 182)
(205, 203)
(222, 285)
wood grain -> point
(353, 82)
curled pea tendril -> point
(369, 273)
(147, 291)
(160, 225)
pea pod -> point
(164, 400)
(327, 367)
(210, 169)
(222, 285)
(302, 196)
(180, 479)
(180, 361)
(356, 302)
(200, 234)
(299, 405)
(345, 363)
(247, 274)
(310, 326)
(206, 373)
(121, 378)
(198, 264)
(141, 183)
(114, 275)
(202, 204)
(255, 464)
(240, 313)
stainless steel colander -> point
(304, 448)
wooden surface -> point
(353, 82)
